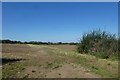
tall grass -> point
(100, 44)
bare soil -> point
(42, 61)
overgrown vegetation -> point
(100, 44)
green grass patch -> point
(53, 65)
(10, 70)
(101, 55)
(104, 69)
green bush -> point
(99, 43)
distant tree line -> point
(10, 42)
(35, 42)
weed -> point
(11, 70)
(53, 65)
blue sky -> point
(56, 22)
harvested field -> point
(53, 61)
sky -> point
(57, 21)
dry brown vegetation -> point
(53, 61)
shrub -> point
(98, 43)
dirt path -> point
(53, 61)
(45, 65)
(70, 71)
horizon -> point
(37, 41)
(56, 21)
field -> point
(53, 61)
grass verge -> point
(103, 67)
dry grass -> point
(65, 47)
(16, 48)
(40, 61)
